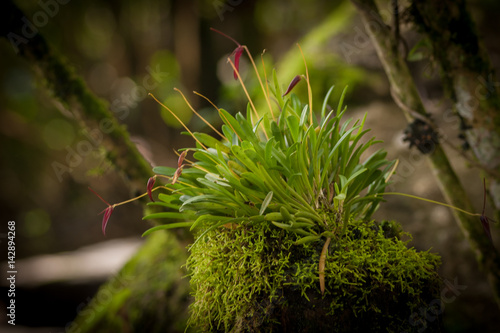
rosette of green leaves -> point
(296, 172)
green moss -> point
(256, 279)
(92, 113)
(145, 296)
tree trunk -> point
(468, 78)
(149, 293)
(406, 96)
(72, 96)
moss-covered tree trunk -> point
(387, 44)
(468, 78)
(72, 96)
(149, 294)
(257, 279)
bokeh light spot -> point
(58, 133)
(36, 223)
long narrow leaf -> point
(168, 226)
(266, 202)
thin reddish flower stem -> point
(107, 203)
(223, 34)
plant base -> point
(256, 279)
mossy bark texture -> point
(406, 95)
(149, 294)
(71, 93)
(257, 279)
(468, 78)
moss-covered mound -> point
(258, 280)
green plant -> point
(300, 174)
(289, 172)
(282, 202)
(264, 196)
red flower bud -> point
(237, 55)
(151, 183)
(107, 212)
(105, 218)
(181, 158)
(292, 84)
(177, 174)
(237, 52)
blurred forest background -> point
(123, 49)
